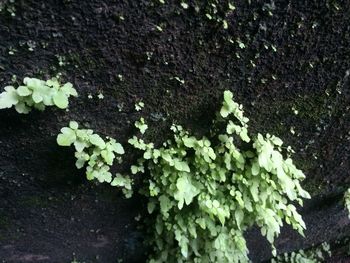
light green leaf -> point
(186, 191)
(23, 91)
(66, 137)
(8, 98)
(108, 156)
(181, 166)
(61, 100)
(95, 139)
(37, 97)
(22, 108)
(73, 125)
(165, 204)
(69, 90)
(118, 148)
(255, 168)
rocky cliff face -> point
(288, 62)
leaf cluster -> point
(38, 94)
(314, 255)
(96, 154)
(206, 192)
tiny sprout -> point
(224, 24)
(240, 44)
(120, 106)
(184, 5)
(14, 78)
(296, 112)
(100, 96)
(231, 6)
(209, 16)
(149, 55)
(12, 51)
(292, 131)
(120, 77)
(89, 96)
(139, 106)
(141, 125)
(182, 81)
(159, 28)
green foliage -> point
(141, 125)
(347, 201)
(206, 192)
(315, 255)
(9, 6)
(97, 154)
(38, 94)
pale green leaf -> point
(61, 100)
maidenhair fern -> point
(38, 94)
(207, 192)
(98, 155)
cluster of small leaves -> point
(206, 192)
(8, 5)
(38, 94)
(315, 255)
(96, 154)
(347, 201)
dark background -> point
(49, 212)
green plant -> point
(38, 94)
(99, 155)
(9, 6)
(314, 255)
(206, 192)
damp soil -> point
(287, 62)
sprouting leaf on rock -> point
(139, 105)
(36, 93)
(141, 125)
(61, 100)
(66, 137)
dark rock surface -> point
(296, 57)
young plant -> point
(207, 192)
(38, 94)
(97, 154)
